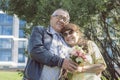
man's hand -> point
(69, 65)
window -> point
(21, 51)
(5, 49)
(6, 23)
(21, 31)
(5, 30)
(6, 19)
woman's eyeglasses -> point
(66, 33)
(59, 17)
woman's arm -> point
(94, 68)
(98, 63)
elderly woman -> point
(94, 64)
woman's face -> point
(71, 37)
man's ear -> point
(51, 16)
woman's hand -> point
(80, 69)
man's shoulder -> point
(39, 28)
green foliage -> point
(103, 78)
(69, 75)
(39, 11)
(20, 73)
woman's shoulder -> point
(90, 42)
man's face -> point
(59, 19)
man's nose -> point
(62, 21)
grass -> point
(9, 75)
(13, 75)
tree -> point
(99, 20)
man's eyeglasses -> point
(59, 17)
(66, 33)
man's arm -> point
(39, 53)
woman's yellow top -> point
(93, 57)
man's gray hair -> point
(54, 13)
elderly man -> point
(48, 51)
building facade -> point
(12, 41)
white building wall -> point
(15, 43)
(15, 37)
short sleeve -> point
(95, 53)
